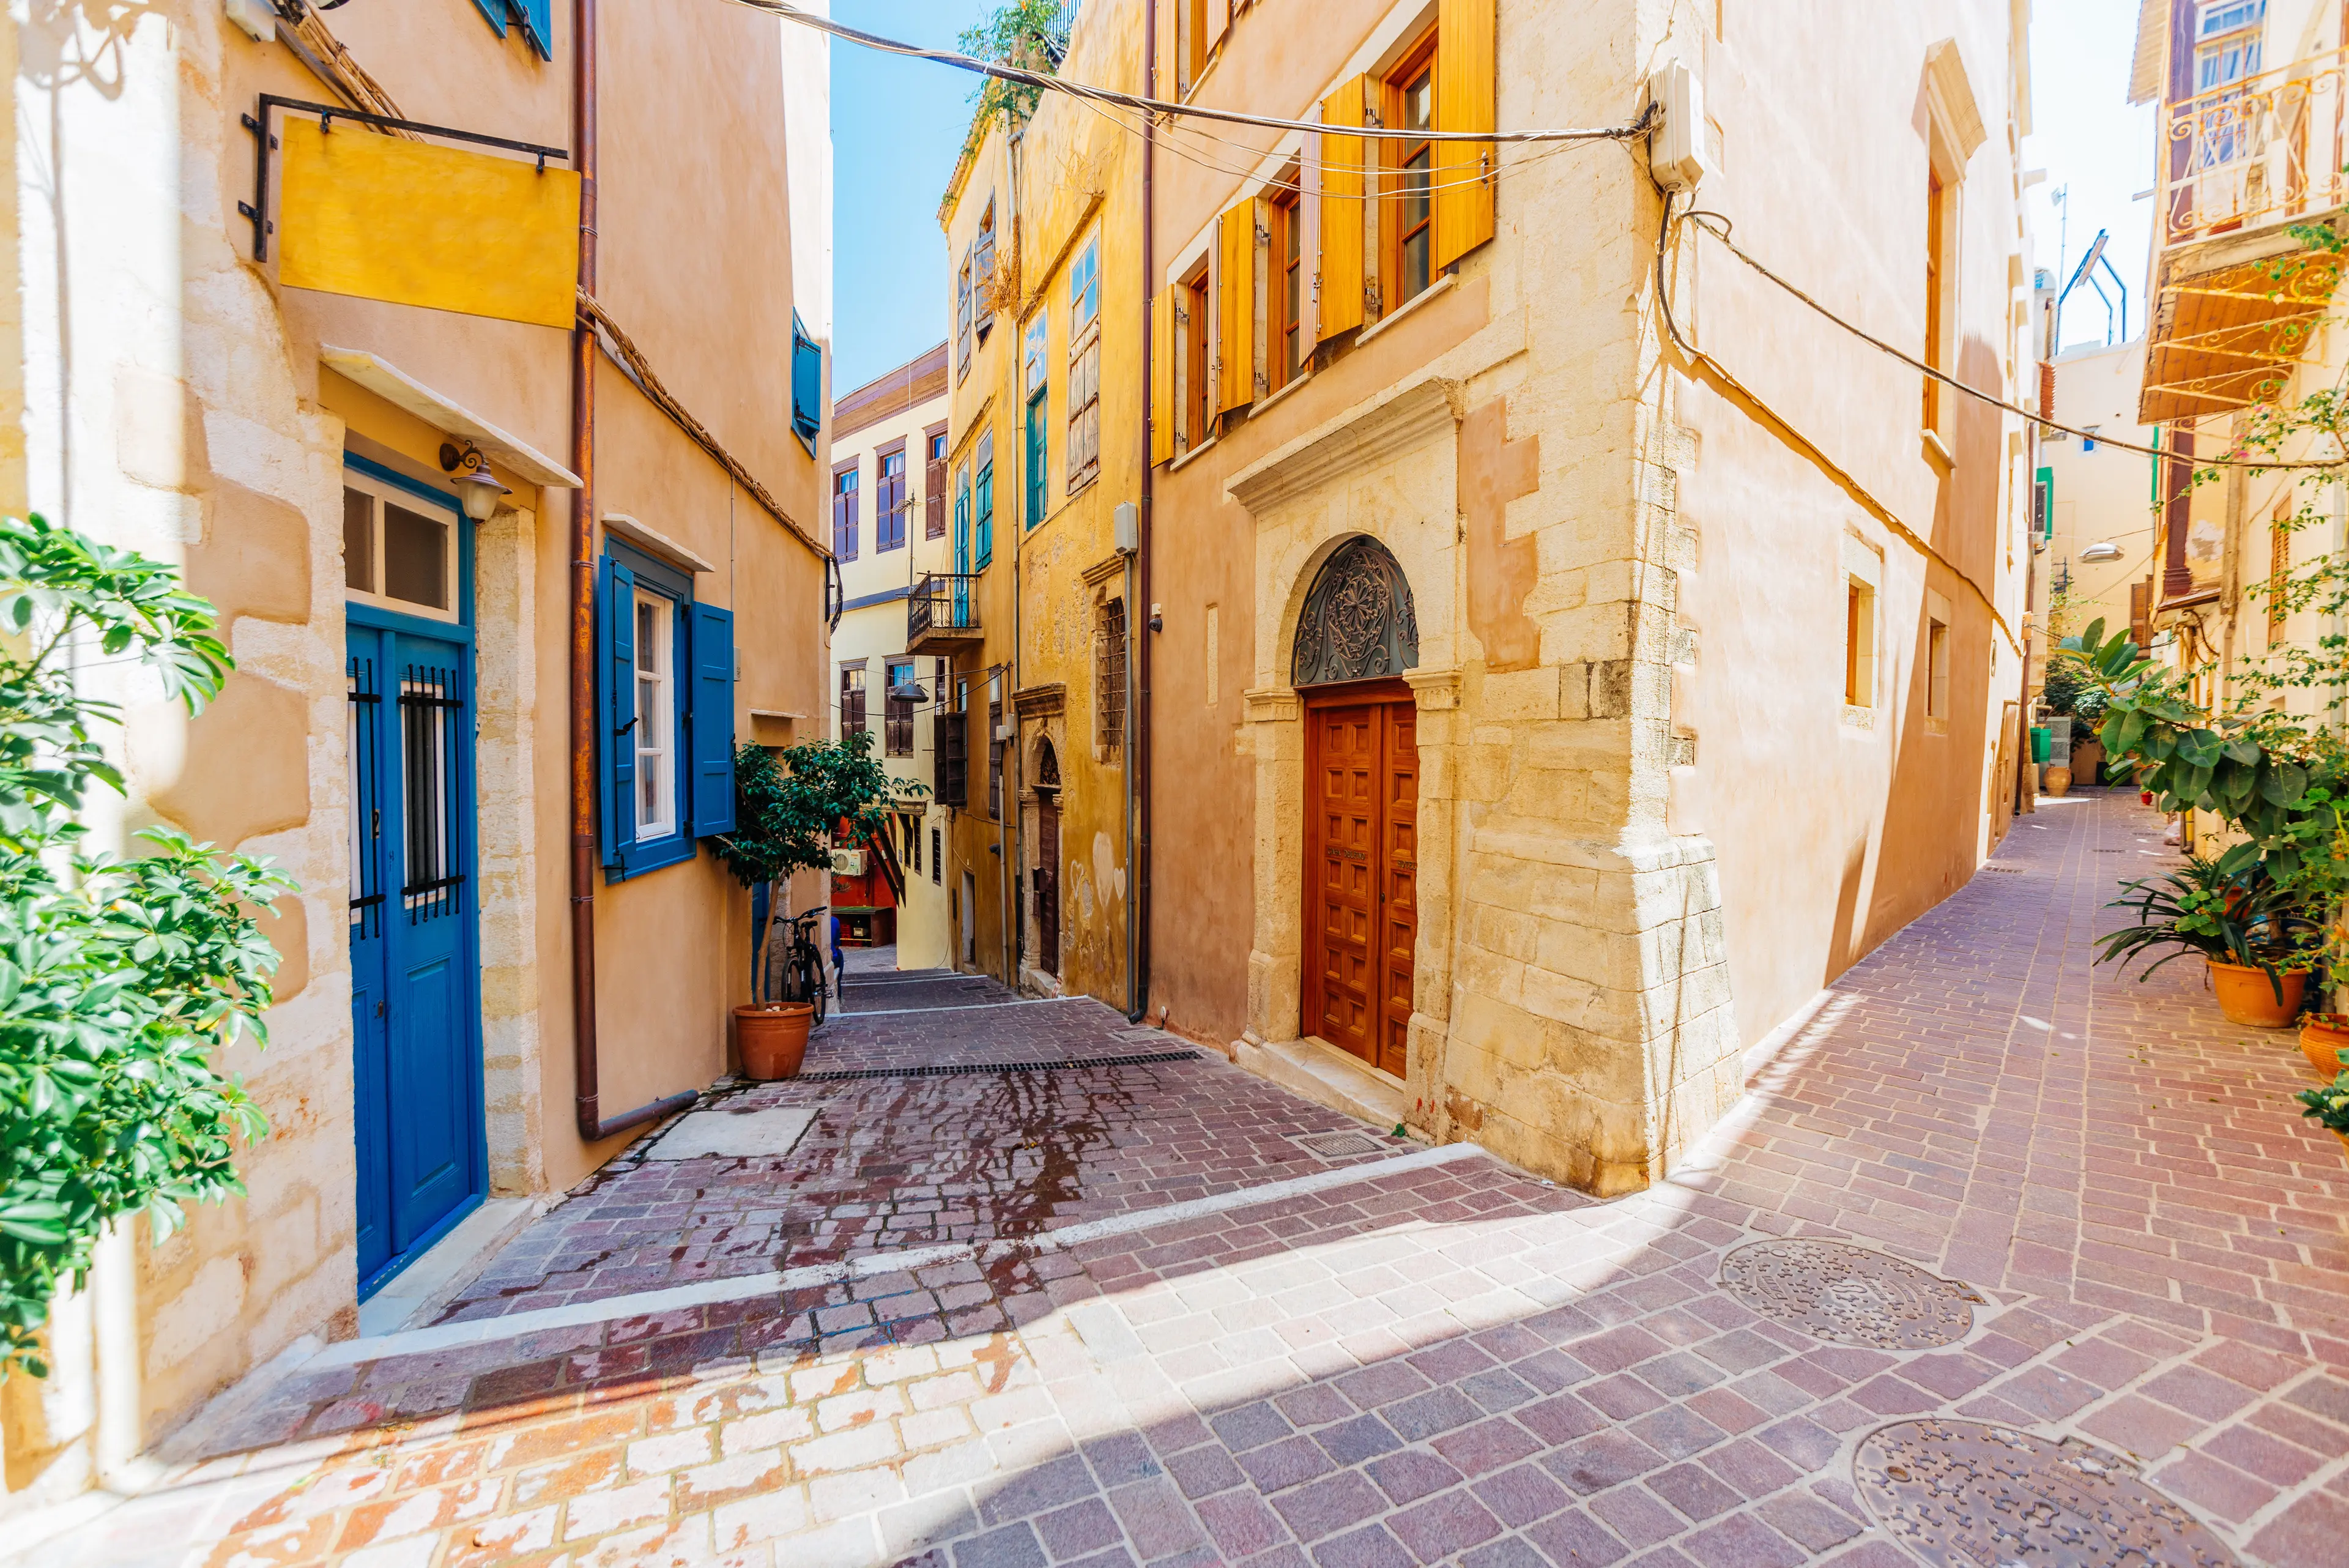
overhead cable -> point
(1754, 404)
(1719, 227)
(1168, 111)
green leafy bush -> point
(119, 978)
(2238, 917)
(787, 810)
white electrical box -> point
(253, 18)
(1127, 520)
(1676, 148)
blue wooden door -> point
(414, 943)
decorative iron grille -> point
(1109, 678)
(1358, 622)
(363, 745)
(431, 706)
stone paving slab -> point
(895, 1163)
(1456, 1364)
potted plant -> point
(2248, 927)
(2329, 1106)
(786, 812)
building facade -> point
(888, 500)
(429, 712)
(1041, 228)
(1560, 685)
(2249, 134)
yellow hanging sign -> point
(381, 217)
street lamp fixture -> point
(477, 490)
(2102, 551)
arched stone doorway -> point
(1356, 634)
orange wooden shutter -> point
(1236, 307)
(1340, 263)
(1464, 48)
(1162, 376)
(1219, 20)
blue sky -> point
(2095, 146)
(896, 125)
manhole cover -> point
(1963, 1495)
(1849, 1294)
(1341, 1145)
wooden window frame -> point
(856, 688)
(934, 481)
(897, 712)
(655, 735)
(891, 503)
(1395, 155)
(1286, 273)
(1197, 400)
(843, 507)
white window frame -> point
(655, 735)
(383, 494)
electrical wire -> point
(1756, 405)
(1161, 107)
(1719, 227)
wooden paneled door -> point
(1361, 855)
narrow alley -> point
(1995, 1243)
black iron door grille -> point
(431, 706)
(363, 738)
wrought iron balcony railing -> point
(943, 604)
(2267, 150)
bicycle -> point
(803, 966)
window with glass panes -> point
(1084, 366)
(1409, 224)
(897, 727)
(889, 502)
(843, 511)
(1288, 345)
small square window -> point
(1859, 644)
(399, 549)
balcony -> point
(942, 613)
(2236, 295)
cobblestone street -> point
(1037, 1287)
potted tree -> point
(787, 810)
(2248, 928)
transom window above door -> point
(400, 550)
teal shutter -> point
(538, 26)
(618, 625)
(962, 528)
(712, 721)
(494, 12)
(986, 515)
(1036, 458)
(807, 382)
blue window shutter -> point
(495, 12)
(807, 382)
(713, 721)
(538, 26)
(618, 625)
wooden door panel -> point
(1362, 856)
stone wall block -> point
(1511, 1036)
(1612, 688)
(1488, 973)
(1509, 932)
(1521, 695)
(159, 429)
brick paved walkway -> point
(1443, 1363)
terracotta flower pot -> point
(2321, 1041)
(2059, 781)
(2247, 998)
(772, 1041)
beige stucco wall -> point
(2104, 496)
(1650, 829)
(173, 401)
(876, 633)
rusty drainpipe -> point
(1143, 617)
(592, 1127)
